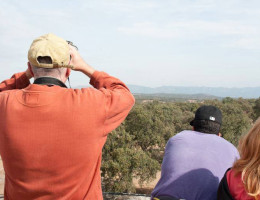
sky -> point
(213, 43)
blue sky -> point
(144, 42)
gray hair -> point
(38, 72)
(58, 73)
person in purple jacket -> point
(195, 161)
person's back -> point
(193, 164)
(51, 137)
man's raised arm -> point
(17, 81)
(118, 98)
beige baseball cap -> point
(52, 46)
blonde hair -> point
(249, 162)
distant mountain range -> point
(247, 92)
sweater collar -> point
(49, 81)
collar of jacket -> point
(49, 81)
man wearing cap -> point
(51, 137)
(195, 161)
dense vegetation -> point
(135, 149)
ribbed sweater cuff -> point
(23, 80)
(94, 78)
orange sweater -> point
(51, 138)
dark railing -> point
(125, 194)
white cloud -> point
(150, 30)
(13, 24)
(190, 28)
(228, 23)
(120, 5)
(245, 43)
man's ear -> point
(219, 134)
(68, 72)
(30, 68)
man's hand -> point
(28, 74)
(79, 64)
